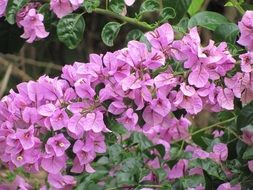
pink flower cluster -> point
(53, 121)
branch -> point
(32, 62)
(129, 20)
(16, 71)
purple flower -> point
(246, 62)
(3, 5)
(246, 29)
(53, 164)
(161, 37)
(26, 137)
(61, 7)
(33, 26)
(57, 145)
(129, 119)
(178, 169)
(94, 122)
(60, 182)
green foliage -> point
(117, 6)
(195, 6)
(180, 7)
(90, 5)
(167, 13)
(110, 32)
(210, 167)
(207, 19)
(13, 7)
(135, 34)
(70, 30)
(227, 32)
(149, 6)
(245, 116)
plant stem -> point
(238, 6)
(129, 20)
(213, 125)
(208, 127)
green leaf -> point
(207, 19)
(90, 5)
(159, 147)
(115, 126)
(229, 4)
(131, 165)
(180, 7)
(245, 116)
(224, 115)
(115, 152)
(13, 7)
(149, 6)
(10, 41)
(142, 140)
(124, 178)
(240, 148)
(167, 13)
(161, 174)
(70, 30)
(135, 34)
(226, 32)
(110, 32)
(117, 6)
(211, 168)
(248, 154)
(193, 181)
(195, 6)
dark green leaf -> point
(131, 165)
(142, 140)
(226, 32)
(245, 116)
(167, 13)
(13, 7)
(135, 34)
(248, 154)
(110, 32)
(111, 138)
(211, 168)
(180, 7)
(10, 41)
(159, 147)
(161, 174)
(117, 6)
(193, 181)
(224, 115)
(70, 30)
(240, 148)
(207, 19)
(149, 6)
(116, 127)
(90, 5)
(195, 6)
(114, 152)
(124, 178)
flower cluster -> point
(52, 122)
